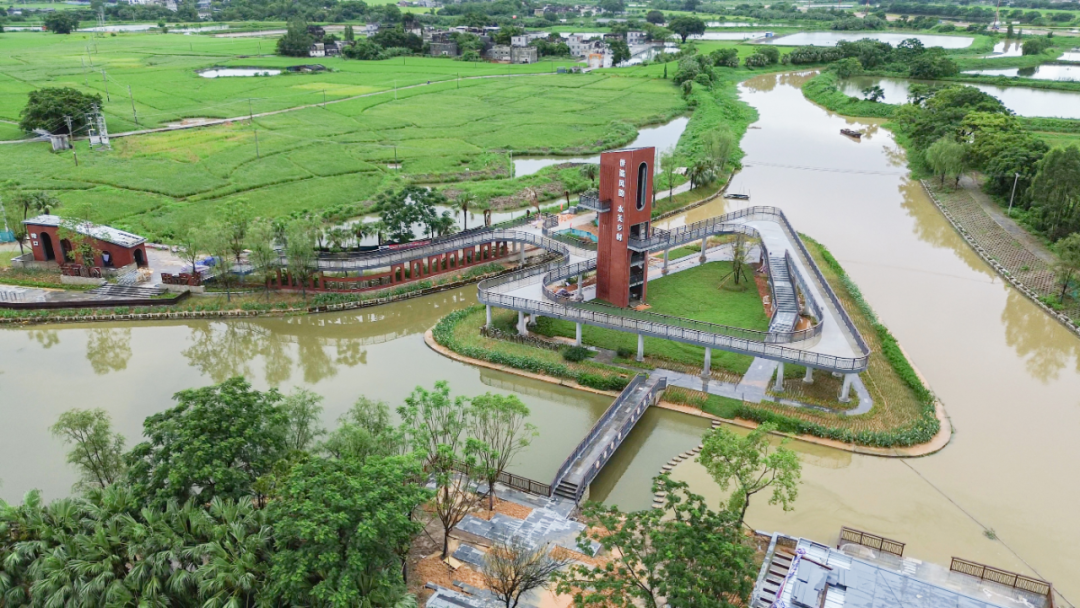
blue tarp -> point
(7, 236)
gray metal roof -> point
(102, 233)
(830, 577)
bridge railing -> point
(697, 336)
(639, 406)
(595, 430)
(800, 282)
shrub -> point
(624, 352)
(575, 354)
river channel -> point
(1008, 375)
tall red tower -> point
(626, 192)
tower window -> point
(642, 184)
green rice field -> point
(313, 158)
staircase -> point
(126, 292)
(778, 571)
(567, 489)
(784, 298)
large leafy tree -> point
(96, 451)
(942, 112)
(297, 41)
(61, 22)
(1055, 192)
(946, 157)
(341, 532)
(683, 555)
(47, 107)
(409, 207)
(684, 26)
(216, 442)
(365, 431)
(749, 464)
(1068, 265)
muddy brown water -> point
(133, 370)
(1008, 375)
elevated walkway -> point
(589, 457)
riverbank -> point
(1014, 258)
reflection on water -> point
(1026, 328)
(108, 350)
(1008, 48)
(1042, 72)
(626, 480)
(1022, 100)
(1006, 373)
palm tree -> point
(589, 172)
(464, 200)
(234, 554)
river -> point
(1024, 101)
(1008, 375)
(133, 370)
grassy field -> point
(314, 158)
(691, 294)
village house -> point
(513, 54)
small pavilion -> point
(115, 248)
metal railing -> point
(591, 200)
(393, 257)
(595, 430)
(800, 283)
(639, 406)
(1002, 577)
(703, 326)
(524, 484)
(873, 541)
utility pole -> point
(251, 116)
(71, 140)
(257, 144)
(324, 99)
(1016, 178)
(395, 89)
(105, 79)
(133, 113)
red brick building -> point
(116, 248)
(626, 183)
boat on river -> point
(741, 197)
(851, 133)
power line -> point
(822, 169)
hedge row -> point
(444, 335)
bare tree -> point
(512, 569)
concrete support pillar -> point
(704, 241)
(577, 334)
(779, 386)
(488, 316)
(580, 293)
(521, 324)
(664, 271)
(522, 260)
(708, 362)
(640, 348)
(845, 392)
(809, 377)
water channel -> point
(662, 137)
(1009, 376)
(1049, 71)
(1024, 101)
(831, 38)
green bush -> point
(624, 353)
(576, 354)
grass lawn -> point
(691, 294)
(1059, 140)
